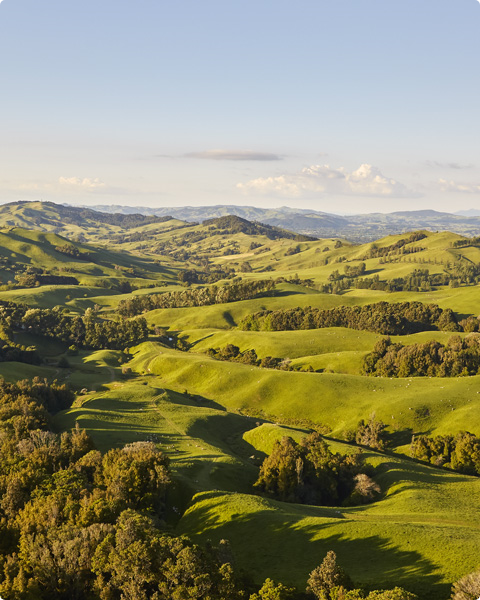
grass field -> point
(334, 399)
(217, 420)
(399, 540)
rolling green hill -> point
(217, 420)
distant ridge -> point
(68, 219)
(471, 212)
(57, 214)
(357, 228)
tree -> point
(272, 591)
(467, 588)
(371, 434)
(326, 577)
(136, 475)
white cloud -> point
(64, 185)
(453, 186)
(79, 183)
(234, 155)
(367, 180)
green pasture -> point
(464, 301)
(14, 371)
(422, 534)
(203, 441)
(48, 296)
(433, 405)
(92, 370)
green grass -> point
(425, 531)
(462, 300)
(422, 536)
(14, 371)
(336, 400)
(399, 540)
(203, 441)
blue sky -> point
(341, 105)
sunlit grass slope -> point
(38, 249)
(423, 535)
(203, 441)
(336, 400)
(401, 539)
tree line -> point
(82, 331)
(232, 353)
(421, 280)
(431, 359)
(399, 246)
(233, 292)
(382, 317)
(459, 453)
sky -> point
(341, 106)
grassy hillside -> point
(217, 420)
(399, 540)
(336, 400)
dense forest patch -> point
(458, 357)
(383, 317)
(204, 296)
(308, 473)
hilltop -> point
(356, 228)
(72, 220)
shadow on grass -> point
(193, 344)
(226, 433)
(188, 399)
(227, 315)
(278, 541)
(400, 438)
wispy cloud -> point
(238, 155)
(78, 182)
(448, 165)
(72, 184)
(454, 186)
(367, 180)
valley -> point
(183, 377)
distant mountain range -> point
(357, 228)
(106, 220)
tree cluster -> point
(376, 252)
(372, 433)
(309, 473)
(87, 331)
(296, 280)
(232, 353)
(474, 241)
(207, 275)
(459, 453)
(383, 317)
(33, 277)
(73, 252)
(75, 524)
(431, 359)
(18, 353)
(421, 280)
(241, 290)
